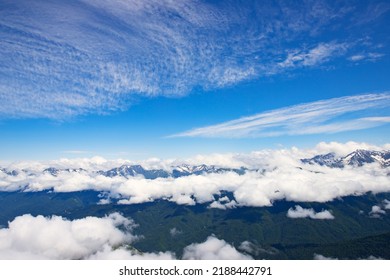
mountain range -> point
(137, 170)
(357, 158)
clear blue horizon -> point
(163, 79)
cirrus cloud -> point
(309, 118)
(109, 52)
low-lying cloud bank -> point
(29, 237)
(110, 237)
(272, 175)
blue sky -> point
(138, 79)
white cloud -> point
(317, 55)
(28, 237)
(376, 212)
(272, 175)
(217, 205)
(223, 203)
(342, 149)
(230, 76)
(375, 56)
(174, 232)
(213, 249)
(256, 250)
(107, 238)
(321, 257)
(356, 57)
(109, 51)
(369, 56)
(309, 118)
(104, 201)
(300, 212)
(247, 247)
(377, 209)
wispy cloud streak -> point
(60, 59)
(315, 56)
(325, 116)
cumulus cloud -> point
(107, 238)
(309, 118)
(213, 249)
(300, 212)
(386, 204)
(271, 175)
(377, 211)
(108, 52)
(174, 232)
(28, 237)
(223, 203)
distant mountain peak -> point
(359, 157)
(55, 171)
(9, 172)
(135, 170)
(177, 171)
